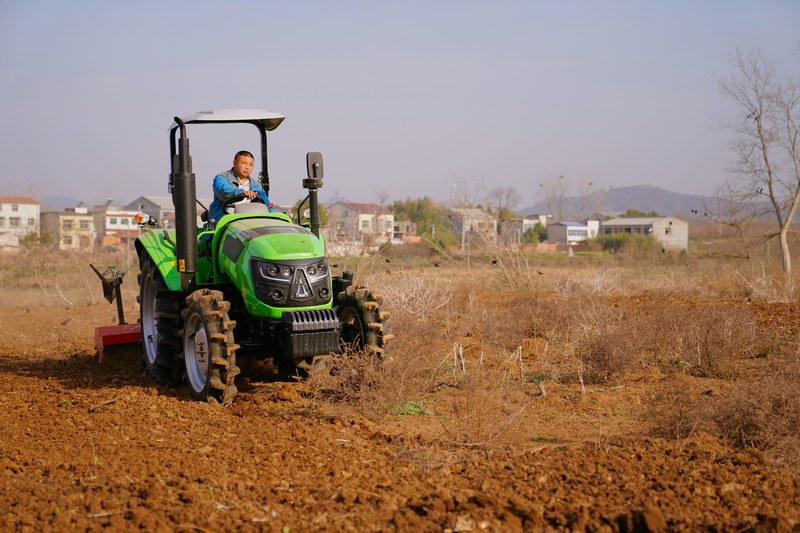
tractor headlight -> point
(277, 295)
(270, 269)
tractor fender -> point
(159, 247)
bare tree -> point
(767, 131)
(464, 192)
(502, 201)
(555, 193)
(734, 208)
(588, 201)
(585, 204)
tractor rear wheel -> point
(159, 316)
(209, 350)
(362, 323)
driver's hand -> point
(250, 194)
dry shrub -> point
(42, 276)
(674, 335)
(764, 415)
(761, 415)
(477, 411)
(680, 409)
(353, 378)
(418, 293)
(359, 379)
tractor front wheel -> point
(361, 321)
(209, 350)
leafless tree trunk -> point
(736, 209)
(555, 192)
(465, 193)
(587, 204)
(580, 207)
(501, 202)
(767, 130)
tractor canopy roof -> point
(266, 120)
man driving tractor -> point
(237, 182)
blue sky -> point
(403, 98)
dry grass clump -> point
(45, 276)
(480, 407)
(683, 335)
(764, 415)
(761, 415)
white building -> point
(671, 232)
(472, 225)
(114, 226)
(569, 233)
(161, 208)
(19, 216)
(371, 224)
(514, 230)
(71, 229)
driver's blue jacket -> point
(226, 185)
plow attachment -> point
(122, 333)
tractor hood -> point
(270, 238)
(274, 264)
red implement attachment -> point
(119, 334)
(122, 333)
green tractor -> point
(252, 284)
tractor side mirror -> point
(314, 165)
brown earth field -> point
(485, 419)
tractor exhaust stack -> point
(312, 183)
(184, 196)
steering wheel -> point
(228, 207)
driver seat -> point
(250, 207)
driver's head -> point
(243, 164)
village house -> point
(472, 225)
(671, 232)
(571, 233)
(114, 226)
(19, 216)
(71, 229)
(370, 224)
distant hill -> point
(617, 200)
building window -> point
(67, 240)
(31, 222)
(66, 224)
(112, 221)
(364, 225)
(2, 222)
(668, 231)
(13, 222)
(14, 207)
(84, 225)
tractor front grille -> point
(310, 332)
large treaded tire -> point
(209, 350)
(159, 316)
(361, 321)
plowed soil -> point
(88, 447)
